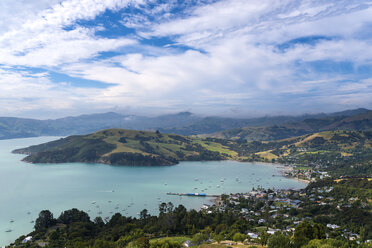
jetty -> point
(193, 194)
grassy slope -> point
(343, 142)
(357, 122)
(120, 146)
(129, 147)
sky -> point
(210, 57)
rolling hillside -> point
(126, 147)
(358, 122)
(344, 152)
(340, 152)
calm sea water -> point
(26, 189)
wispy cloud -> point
(205, 56)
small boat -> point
(8, 230)
(32, 221)
(28, 212)
(11, 221)
(109, 201)
(93, 202)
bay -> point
(101, 190)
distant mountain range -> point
(186, 123)
(357, 120)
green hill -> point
(126, 147)
(340, 152)
(358, 122)
(344, 152)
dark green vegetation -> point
(359, 122)
(183, 123)
(344, 204)
(125, 147)
(340, 152)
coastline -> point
(283, 169)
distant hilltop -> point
(186, 123)
(124, 147)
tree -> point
(99, 221)
(305, 232)
(73, 215)
(264, 238)
(218, 238)
(103, 244)
(44, 220)
(278, 240)
(143, 242)
(144, 214)
(162, 208)
(199, 238)
(239, 237)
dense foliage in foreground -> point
(73, 228)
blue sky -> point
(211, 57)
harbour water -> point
(101, 190)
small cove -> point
(102, 190)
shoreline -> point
(282, 169)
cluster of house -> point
(309, 175)
(281, 200)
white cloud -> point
(42, 40)
(235, 64)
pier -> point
(193, 194)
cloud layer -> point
(231, 57)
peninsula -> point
(310, 156)
(125, 147)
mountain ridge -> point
(183, 123)
(359, 122)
